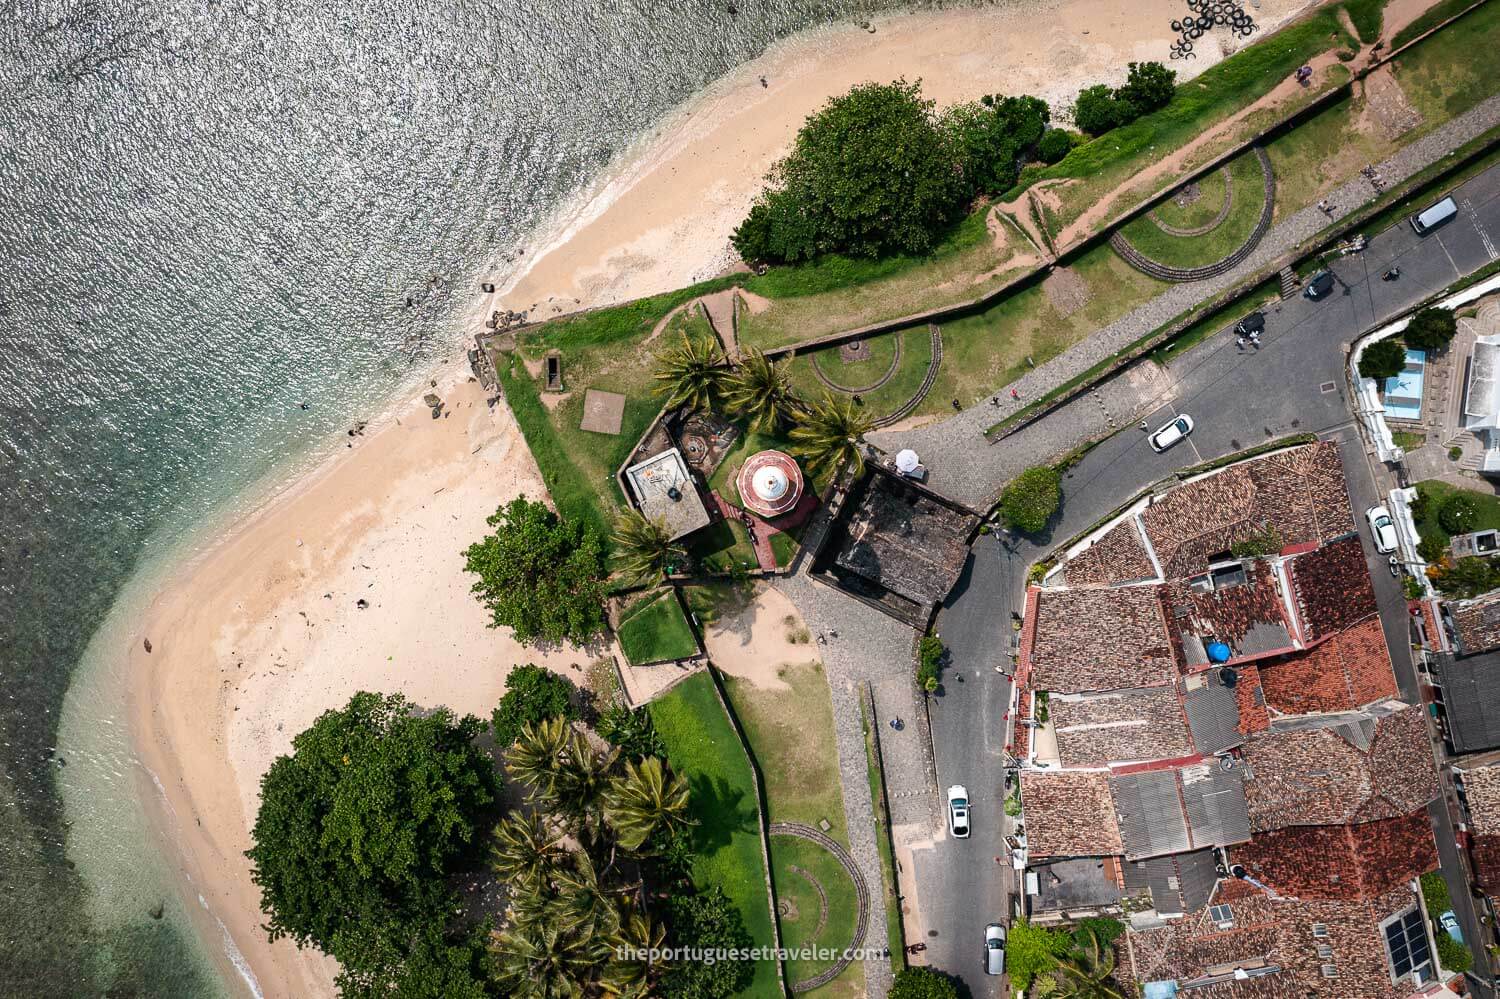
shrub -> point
(992, 137)
(922, 983)
(1031, 950)
(930, 652)
(1150, 86)
(1468, 577)
(1054, 145)
(707, 920)
(1031, 500)
(1382, 359)
(1454, 956)
(531, 695)
(1435, 892)
(1432, 549)
(1101, 928)
(1430, 329)
(1411, 588)
(1459, 514)
(632, 731)
(871, 173)
(1097, 110)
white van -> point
(1431, 218)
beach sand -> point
(263, 633)
(663, 219)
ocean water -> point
(228, 230)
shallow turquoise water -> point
(213, 216)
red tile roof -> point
(1116, 556)
(1093, 639)
(1120, 726)
(1340, 862)
(1249, 617)
(1319, 776)
(1298, 494)
(1069, 814)
(1251, 698)
(1332, 588)
(1477, 623)
(1342, 673)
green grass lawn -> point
(835, 294)
(702, 746)
(916, 355)
(711, 601)
(986, 350)
(656, 629)
(784, 545)
(895, 933)
(791, 734)
(1216, 244)
(721, 546)
(1366, 17)
(1437, 492)
(1103, 164)
(1432, 16)
(1211, 191)
(1441, 76)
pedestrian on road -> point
(1014, 394)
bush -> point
(1101, 928)
(1430, 329)
(532, 694)
(1454, 956)
(1433, 549)
(930, 652)
(993, 136)
(539, 576)
(632, 731)
(1435, 893)
(707, 920)
(872, 173)
(1097, 110)
(1149, 87)
(922, 983)
(1459, 514)
(1468, 577)
(1382, 359)
(1031, 500)
(1054, 145)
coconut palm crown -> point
(761, 392)
(829, 432)
(643, 547)
(688, 372)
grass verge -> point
(702, 746)
(1430, 18)
(1433, 493)
(657, 630)
(895, 933)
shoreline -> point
(247, 650)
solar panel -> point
(1406, 943)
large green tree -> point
(540, 576)
(1431, 329)
(709, 920)
(689, 372)
(761, 392)
(922, 983)
(359, 829)
(1382, 359)
(1031, 499)
(644, 797)
(643, 549)
(531, 694)
(872, 173)
(828, 433)
(993, 135)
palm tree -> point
(525, 851)
(546, 959)
(688, 372)
(1084, 974)
(624, 977)
(828, 433)
(760, 391)
(585, 902)
(533, 760)
(643, 547)
(643, 799)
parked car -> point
(1430, 218)
(1255, 322)
(958, 811)
(1449, 922)
(1382, 529)
(1171, 433)
(994, 949)
(1320, 285)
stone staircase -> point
(1289, 283)
(1473, 449)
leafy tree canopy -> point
(871, 173)
(1054, 145)
(1459, 514)
(992, 136)
(1149, 86)
(1431, 329)
(1031, 500)
(922, 983)
(708, 920)
(539, 576)
(1468, 577)
(1031, 950)
(1382, 359)
(1098, 110)
(360, 826)
(531, 694)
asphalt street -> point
(1238, 397)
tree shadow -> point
(722, 810)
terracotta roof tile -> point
(1482, 789)
(1094, 639)
(1477, 623)
(1119, 727)
(1318, 776)
(1117, 556)
(1342, 673)
(1251, 698)
(1249, 617)
(1347, 862)
(1485, 851)
(1069, 814)
(1298, 493)
(1332, 588)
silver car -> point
(994, 949)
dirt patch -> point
(1399, 13)
(554, 399)
(1387, 112)
(756, 641)
(1066, 291)
(755, 303)
(661, 323)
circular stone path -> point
(1217, 221)
(866, 389)
(861, 894)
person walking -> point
(1014, 394)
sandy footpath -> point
(263, 633)
(663, 219)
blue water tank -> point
(1218, 652)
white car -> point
(994, 949)
(1172, 433)
(1382, 529)
(958, 811)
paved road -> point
(1293, 383)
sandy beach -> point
(663, 219)
(265, 632)
(254, 638)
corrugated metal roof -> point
(1213, 713)
(1151, 817)
(1216, 808)
(1179, 882)
(1471, 698)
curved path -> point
(861, 894)
(1209, 226)
(877, 383)
(1166, 272)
